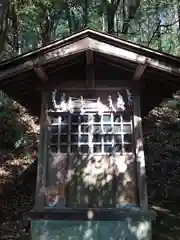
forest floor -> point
(17, 194)
(167, 224)
(17, 191)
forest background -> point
(29, 24)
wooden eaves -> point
(81, 42)
(87, 41)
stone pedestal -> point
(123, 229)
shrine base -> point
(90, 230)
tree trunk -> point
(4, 6)
(178, 12)
(3, 10)
(68, 15)
(86, 13)
(110, 21)
(158, 32)
(111, 10)
(46, 28)
(15, 35)
(130, 8)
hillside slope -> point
(15, 202)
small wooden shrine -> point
(91, 179)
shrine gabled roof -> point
(17, 69)
(92, 40)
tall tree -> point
(4, 6)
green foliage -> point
(10, 130)
(162, 145)
(15, 125)
(29, 24)
(33, 23)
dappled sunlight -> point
(90, 230)
(141, 230)
(65, 51)
(3, 172)
(11, 169)
(93, 176)
(97, 166)
(91, 154)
